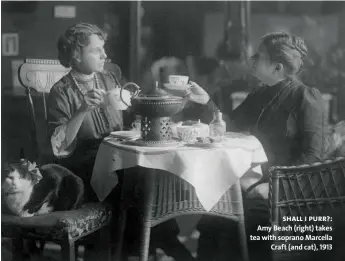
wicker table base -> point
(164, 196)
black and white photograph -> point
(173, 130)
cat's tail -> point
(71, 193)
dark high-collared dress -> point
(288, 120)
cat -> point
(28, 190)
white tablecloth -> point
(212, 171)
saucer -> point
(176, 87)
(179, 90)
(126, 134)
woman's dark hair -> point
(286, 49)
(76, 37)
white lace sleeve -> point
(58, 142)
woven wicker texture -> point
(305, 191)
(173, 196)
(163, 196)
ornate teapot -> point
(156, 108)
(155, 103)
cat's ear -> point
(35, 172)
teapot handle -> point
(137, 90)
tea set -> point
(156, 107)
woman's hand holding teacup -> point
(198, 94)
(93, 98)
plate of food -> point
(208, 142)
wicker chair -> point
(304, 191)
(63, 228)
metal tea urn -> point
(156, 108)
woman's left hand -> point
(93, 98)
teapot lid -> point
(157, 93)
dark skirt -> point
(81, 163)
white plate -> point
(126, 134)
(206, 145)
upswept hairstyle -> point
(286, 49)
(74, 39)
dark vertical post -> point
(248, 21)
(237, 22)
(340, 108)
(135, 35)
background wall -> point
(38, 34)
(39, 30)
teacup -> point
(178, 79)
(112, 98)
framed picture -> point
(65, 11)
(10, 44)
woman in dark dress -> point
(287, 118)
(78, 118)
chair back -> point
(301, 192)
(40, 75)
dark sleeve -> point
(240, 117)
(58, 108)
(311, 127)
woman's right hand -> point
(198, 94)
(93, 98)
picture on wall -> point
(10, 44)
